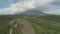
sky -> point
(19, 6)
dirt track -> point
(27, 29)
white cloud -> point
(54, 8)
(23, 6)
(56, 12)
(18, 7)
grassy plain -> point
(44, 24)
(48, 24)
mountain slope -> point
(31, 12)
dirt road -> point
(27, 29)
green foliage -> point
(5, 26)
(17, 30)
(45, 24)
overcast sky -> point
(15, 6)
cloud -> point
(18, 7)
(54, 8)
(56, 12)
(22, 6)
(56, 2)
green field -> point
(5, 26)
(48, 24)
(44, 24)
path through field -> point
(27, 29)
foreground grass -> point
(45, 24)
(17, 30)
(5, 26)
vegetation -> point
(17, 30)
(48, 24)
(5, 26)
